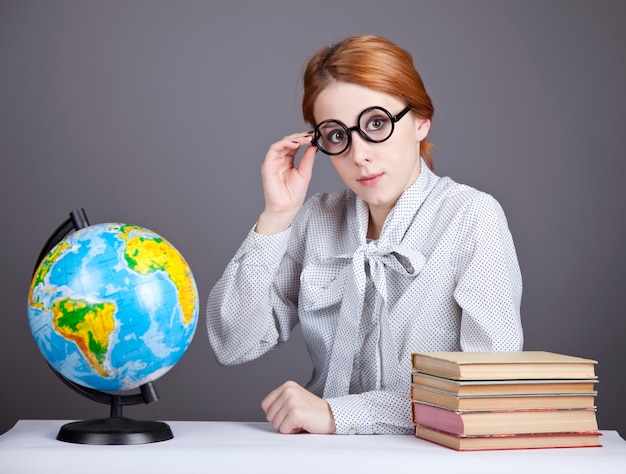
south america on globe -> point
(113, 306)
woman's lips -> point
(370, 179)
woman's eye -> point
(337, 136)
(375, 124)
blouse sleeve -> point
(253, 307)
(375, 412)
(489, 286)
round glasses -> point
(375, 124)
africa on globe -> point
(113, 306)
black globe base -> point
(114, 431)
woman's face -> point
(377, 172)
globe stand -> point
(116, 429)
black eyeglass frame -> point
(357, 127)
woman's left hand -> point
(291, 408)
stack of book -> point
(472, 401)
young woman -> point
(399, 262)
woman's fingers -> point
(307, 162)
(284, 185)
(291, 408)
(281, 154)
(278, 407)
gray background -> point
(159, 114)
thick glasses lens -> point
(332, 137)
(375, 124)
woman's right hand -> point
(284, 185)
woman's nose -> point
(360, 150)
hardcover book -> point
(494, 387)
(501, 401)
(504, 422)
(501, 442)
(503, 365)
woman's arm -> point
(250, 309)
(489, 286)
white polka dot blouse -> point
(443, 276)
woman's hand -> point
(291, 409)
(284, 185)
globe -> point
(112, 306)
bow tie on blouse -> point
(381, 259)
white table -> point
(239, 447)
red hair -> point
(372, 62)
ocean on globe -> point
(113, 306)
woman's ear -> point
(422, 128)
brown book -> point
(493, 422)
(503, 365)
(494, 387)
(502, 401)
(524, 441)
